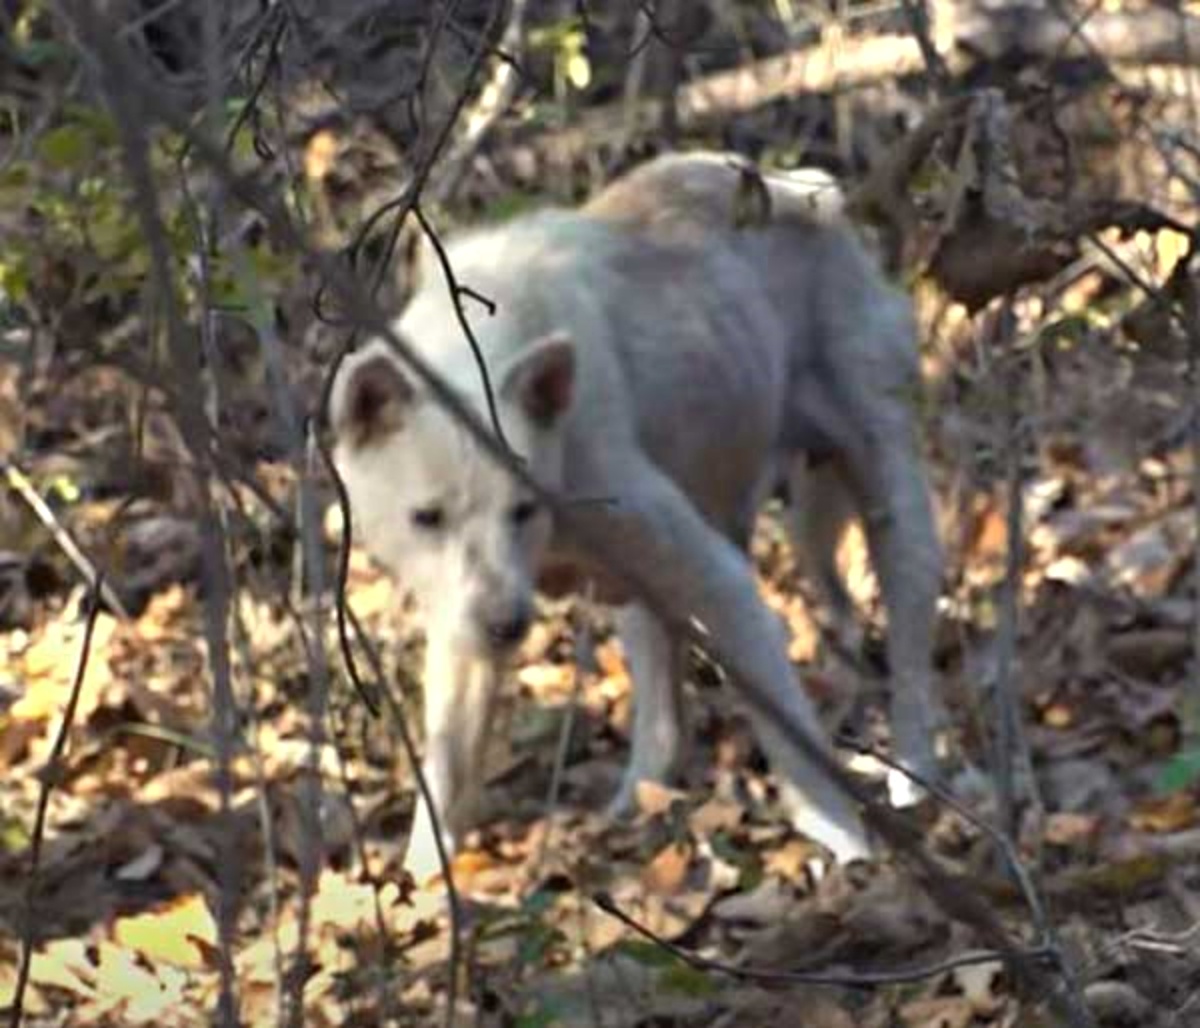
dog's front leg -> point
(656, 668)
(699, 573)
(459, 692)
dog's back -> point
(692, 195)
(850, 333)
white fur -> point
(708, 361)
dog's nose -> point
(510, 630)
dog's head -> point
(455, 528)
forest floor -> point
(136, 850)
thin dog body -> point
(648, 352)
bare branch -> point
(119, 94)
(50, 776)
(851, 979)
(25, 489)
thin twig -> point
(24, 488)
(584, 660)
(48, 778)
(387, 1011)
(302, 456)
(495, 98)
(1002, 841)
(456, 295)
(241, 641)
(1190, 315)
(916, 13)
(401, 207)
(852, 979)
(1007, 737)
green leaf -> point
(66, 147)
(573, 60)
(14, 836)
(16, 176)
(14, 278)
(37, 53)
(538, 903)
(579, 70)
(64, 487)
(687, 981)
(98, 123)
(645, 953)
(545, 1012)
(1181, 772)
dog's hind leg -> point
(656, 667)
(820, 505)
(902, 538)
(697, 573)
(860, 405)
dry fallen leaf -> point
(1147, 560)
(163, 614)
(667, 872)
(937, 1012)
(137, 995)
(49, 669)
(655, 799)
(479, 871)
(715, 815)
(610, 659)
(320, 155)
(65, 964)
(343, 904)
(989, 535)
(1165, 814)
(181, 932)
(1065, 828)
(791, 859)
(1058, 715)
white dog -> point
(650, 350)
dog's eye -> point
(523, 511)
(428, 518)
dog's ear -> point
(542, 380)
(369, 397)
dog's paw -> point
(422, 859)
(841, 832)
(904, 790)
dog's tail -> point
(697, 191)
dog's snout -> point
(509, 629)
